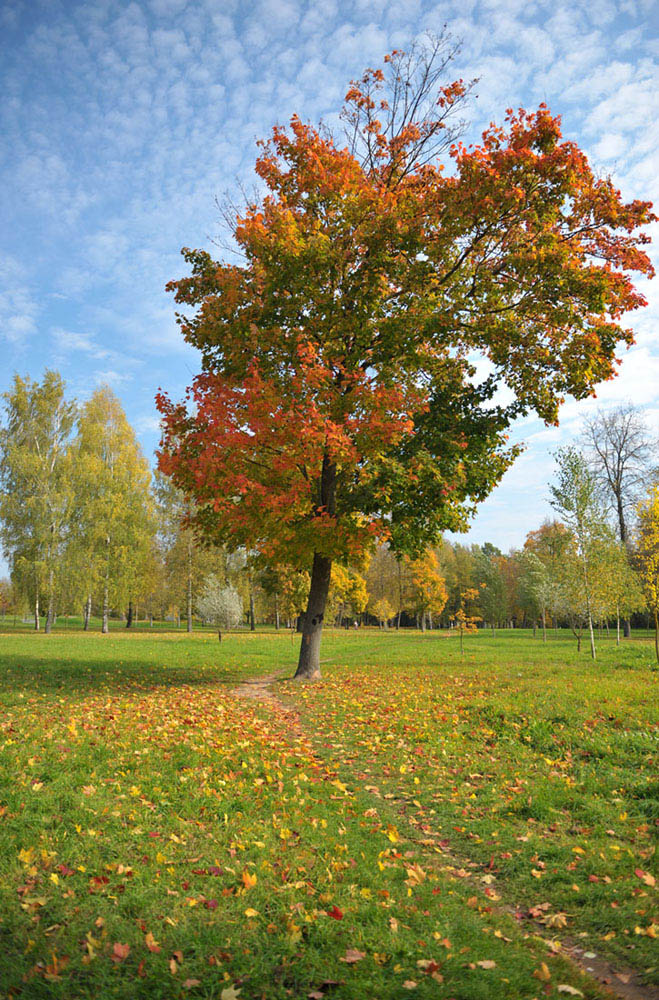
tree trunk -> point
(617, 625)
(189, 590)
(87, 612)
(276, 611)
(627, 628)
(105, 628)
(592, 636)
(308, 666)
(36, 612)
(252, 617)
(423, 621)
(219, 636)
(129, 616)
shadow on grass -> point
(30, 671)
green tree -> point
(574, 497)
(648, 556)
(493, 597)
(114, 510)
(186, 561)
(36, 489)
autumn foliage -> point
(338, 401)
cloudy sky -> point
(123, 122)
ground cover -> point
(163, 836)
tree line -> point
(88, 530)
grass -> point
(411, 825)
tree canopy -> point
(338, 401)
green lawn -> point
(419, 823)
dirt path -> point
(618, 982)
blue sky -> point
(123, 122)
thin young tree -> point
(574, 497)
(220, 605)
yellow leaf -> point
(249, 879)
(543, 973)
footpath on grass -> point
(465, 893)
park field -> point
(419, 823)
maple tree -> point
(338, 401)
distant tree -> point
(382, 610)
(347, 594)
(493, 597)
(466, 619)
(427, 586)
(619, 454)
(36, 489)
(8, 597)
(114, 508)
(186, 562)
(545, 553)
(220, 605)
(574, 497)
(459, 568)
(387, 579)
(617, 590)
(536, 588)
(619, 449)
(648, 556)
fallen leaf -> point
(645, 877)
(151, 943)
(352, 955)
(189, 983)
(487, 963)
(570, 990)
(543, 973)
(249, 879)
(120, 951)
(229, 993)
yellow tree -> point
(648, 556)
(347, 594)
(114, 507)
(428, 587)
(35, 487)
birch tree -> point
(114, 510)
(574, 497)
(36, 486)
